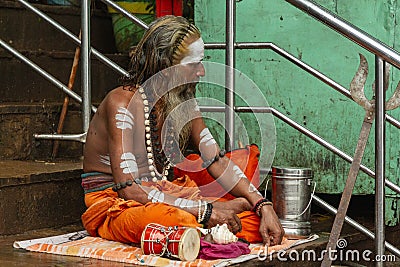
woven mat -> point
(81, 245)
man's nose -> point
(201, 71)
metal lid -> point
(292, 171)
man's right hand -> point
(220, 216)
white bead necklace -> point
(155, 175)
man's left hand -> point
(270, 229)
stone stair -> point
(37, 191)
(29, 103)
(39, 194)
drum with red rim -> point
(176, 241)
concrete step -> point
(20, 83)
(39, 194)
(19, 122)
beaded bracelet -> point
(200, 216)
(119, 186)
(258, 211)
(208, 213)
(208, 163)
(260, 203)
(199, 213)
(204, 212)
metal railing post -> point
(86, 64)
(230, 74)
(379, 158)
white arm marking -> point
(128, 165)
(124, 119)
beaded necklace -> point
(161, 158)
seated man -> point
(136, 138)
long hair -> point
(163, 45)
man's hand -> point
(270, 228)
(228, 216)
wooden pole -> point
(64, 109)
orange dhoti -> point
(113, 218)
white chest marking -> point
(105, 159)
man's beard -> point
(179, 106)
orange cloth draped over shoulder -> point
(113, 218)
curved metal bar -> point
(74, 38)
(348, 30)
(45, 74)
(358, 83)
(65, 137)
(320, 76)
(394, 101)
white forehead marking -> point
(128, 165)
(105, 159)
(124, 119)
(196, 52)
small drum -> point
(178, 242)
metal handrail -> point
(382, 51)
(355, 224)
(59, 85)
(325, 144)
(301, 64)
(126, 14)
(304, 131)
(43, 73)
(86, 99)
(239, 45)
(348, 30)
(74, 38)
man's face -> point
(191, 66)
(193, 71)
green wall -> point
(302, 97)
